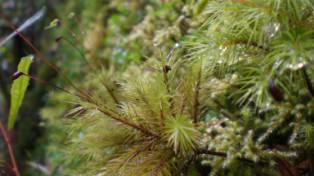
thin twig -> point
(127, 123)
(79, 51)
(114, 98)
(10, 149)
(145, 148)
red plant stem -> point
(10, 149)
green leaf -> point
(18, 89)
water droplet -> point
(301, 65)
(296, 66)
(277, 64)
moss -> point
(201, 91)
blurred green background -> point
(106, 33)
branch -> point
(127, 123)
(210, 152)
(10, 149)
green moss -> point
(211, 100)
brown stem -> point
(127, 123)
(114, 98)
(136, 153)
(196, 102)
(46, 83)
(186, 165)
(286, 168)
(210, 152)
(166, 69)
(10, 149)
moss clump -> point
(236, 96)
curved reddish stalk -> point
(10, 149)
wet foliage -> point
(158, 88)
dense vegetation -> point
(172, 87)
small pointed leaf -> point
(18, 89)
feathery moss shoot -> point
(179, 88)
